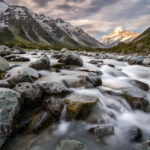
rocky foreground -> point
(67, 100)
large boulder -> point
(4, 50)
(4, 66)
(22, 74)
(9, 108)
(79, 106)
(54, 88)
(30, 92)
(41, 63)
(71, 59)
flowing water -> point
(113, 108)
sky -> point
(96, 17)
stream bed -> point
(122, 112)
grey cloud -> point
(94, 16)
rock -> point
(71, 59)
(80, 106)
(95, 61)
(136, 60)
(57, 56)
(64, 50)
(102, 131)
(110, 65)
(20, 59)
(94, 79)
(9, 108)
(41, 63)
(9, 57)
(54, 105)
(146, 62)
(54, 88)
(135, 134)
(39, 120)
(33, 53)
(58, 66)
(17, 50)
(141, 85)
(102, 56)
(22, 74)
(91, 71)
(136, 101)
(70, 145)
(90, 81)
(4, 66)
(4, 50)
(30, 92)
(54, 70)
(4, 83)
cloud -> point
(95, 16)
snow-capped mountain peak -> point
(118, 29)
(118, 35)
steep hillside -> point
(20, 26)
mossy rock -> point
(80, 106)
(2, 75)
(39, 121)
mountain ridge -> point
(20, 26)
(118, 35)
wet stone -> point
(102, 131)
(70, 145)
(54, 105)
(41, 63)
(30, 92)
(80, 106)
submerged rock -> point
(80, 106)
(4, 66)
(102, 131)
(135, 134)
(9, 108)
(70, 145)
(71, 59)
(41, 63)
